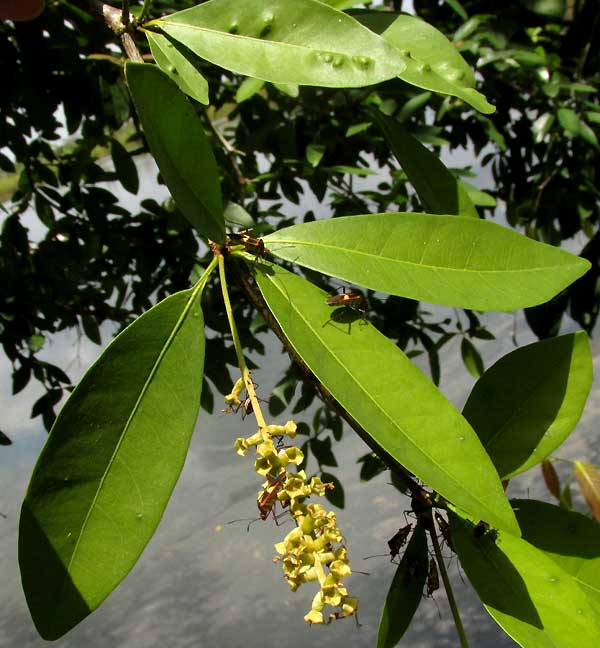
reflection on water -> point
(196, 586)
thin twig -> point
(231, 155)
(449, 593)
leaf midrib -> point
(264, 41)
(339, 248)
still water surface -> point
(196, 585)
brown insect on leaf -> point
(551, 478)
(588, 477)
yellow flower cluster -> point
(311, 547)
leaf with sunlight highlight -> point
(397, 405)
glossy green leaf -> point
(124, 167)
(105, 475)
(439, 191)
(180, 64)
(527, 593)
(285, 41)
(450, 260)
(248, 88)
(527, 403)
(342, 4)
(432, 62)
(405, 592)
(390, 397)
(180, 147)
(569, 538)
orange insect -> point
(254, 245)
(353, 299)
(266, 500)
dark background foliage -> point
(68, 127)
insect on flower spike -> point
(268, 497)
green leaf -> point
(432, 62)
(342, 4)
(405, 592)
(569, 120)
(392, 399)
(106, 473)
(478, 197)
(471, 358)
(124, 167)
(570, 539)
(314, 154)
(357, 128)
(248, 88)
(180, 64)
(35, 343)
(527, 403)
(180, 147)
(541, 127)
(439, 191)
(357, 171)
(285, 41)
(457, 8)
(91, 328)
(529, 595)
(412, 105)
(289, 89)
(588, 134)
(450, 260)
(236, 216)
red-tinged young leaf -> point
(551, 478)
(588, 477)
